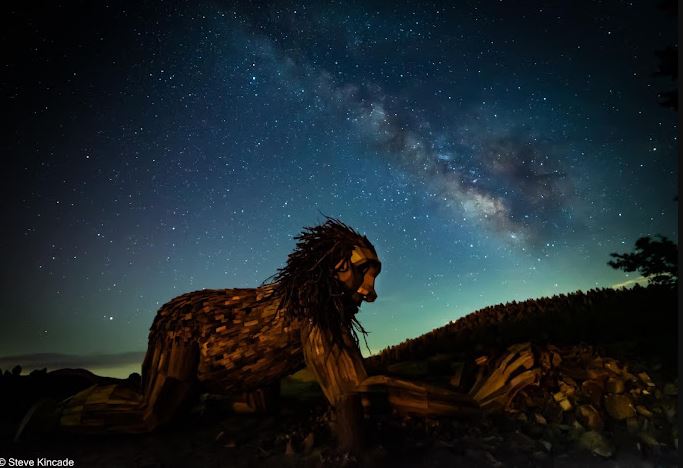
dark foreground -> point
(535, 431)
(607, 395)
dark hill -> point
(639, 320)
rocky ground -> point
(587, 409)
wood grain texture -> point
(225, 341)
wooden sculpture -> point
(241, 342)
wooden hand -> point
(342, 376)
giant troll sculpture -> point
(241, 342)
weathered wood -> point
(456, 377)
(496, 389)
(420, 398)
(350, 427)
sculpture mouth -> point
(357, 298)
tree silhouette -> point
(656, 260)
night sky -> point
(491, 152)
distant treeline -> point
(645, 316)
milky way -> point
(491, 152)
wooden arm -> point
(343, 379)
(419, 398)
(339, 371)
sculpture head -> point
(331, 271)
(358, 272)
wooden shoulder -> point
(181, 311)
(184, 313)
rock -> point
(540, 419)
(646, 379)
(589, 417)
(559, 396)
(614, 385)
(593, 390)
(597, 374)
(619, 406)
(612, 365)
(629, 377)
(565, 405)
(309, 441)
(644, 411)
(567, 388)
(596, 361)
(546, 445)
(596, 443)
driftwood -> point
(510, 374)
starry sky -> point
(490, 151)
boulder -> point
(619, 407)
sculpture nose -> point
(368, 296)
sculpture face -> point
(358, 274)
